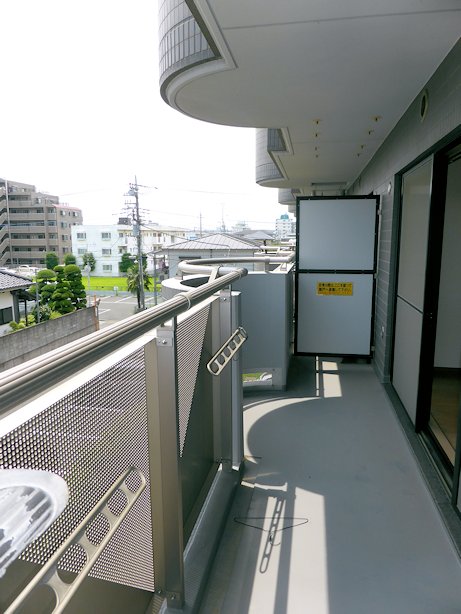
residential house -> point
(11, 285)
(218, 245)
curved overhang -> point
(335, 76)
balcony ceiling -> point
(335, 75)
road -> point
(115, 308)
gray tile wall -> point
(410, 138)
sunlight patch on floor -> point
(292, 550)
(331, 386)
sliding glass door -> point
(416, 200)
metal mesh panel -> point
(195, 400)
(190, 335)
(89, 438)
(73, 559)
(98, 529)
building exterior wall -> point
(108, 242)
(409, 140)
(33, 223)
(285, 227)
(6, 301)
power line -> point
(162, 188)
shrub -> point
(70, 259)
(73, 275)
(46, 280)
(89, 258)
(61, 299)
(51, 260)
(22, 323)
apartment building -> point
(285, 227)
(108, 243)
(33, 223)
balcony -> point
(311, 499)
(29, 254)
(333, 515)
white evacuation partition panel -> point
(335, 275)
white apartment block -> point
(285, 227)
(108, 242)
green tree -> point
(89, 259)
(46, 280)
(125, 263)
(45, 313)
(51, 260)
(70, 259)
(45, 283)
(61, 299)
(45, 275)
(73, 276)
(132, 282)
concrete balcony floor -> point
(334, 515)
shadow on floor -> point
(333, 516)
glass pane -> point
(447, 361)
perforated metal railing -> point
(137, 394)
(89, 437)
(85, 412)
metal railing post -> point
(222, 385)
(237, 389)
(164, 469)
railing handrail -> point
(23, 383)
(207, 265)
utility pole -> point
(137, 233)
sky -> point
(82, 117)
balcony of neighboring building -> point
(18, 214)
(28, 252)
(19, 241)
(33, 226)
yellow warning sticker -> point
(333, 288)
